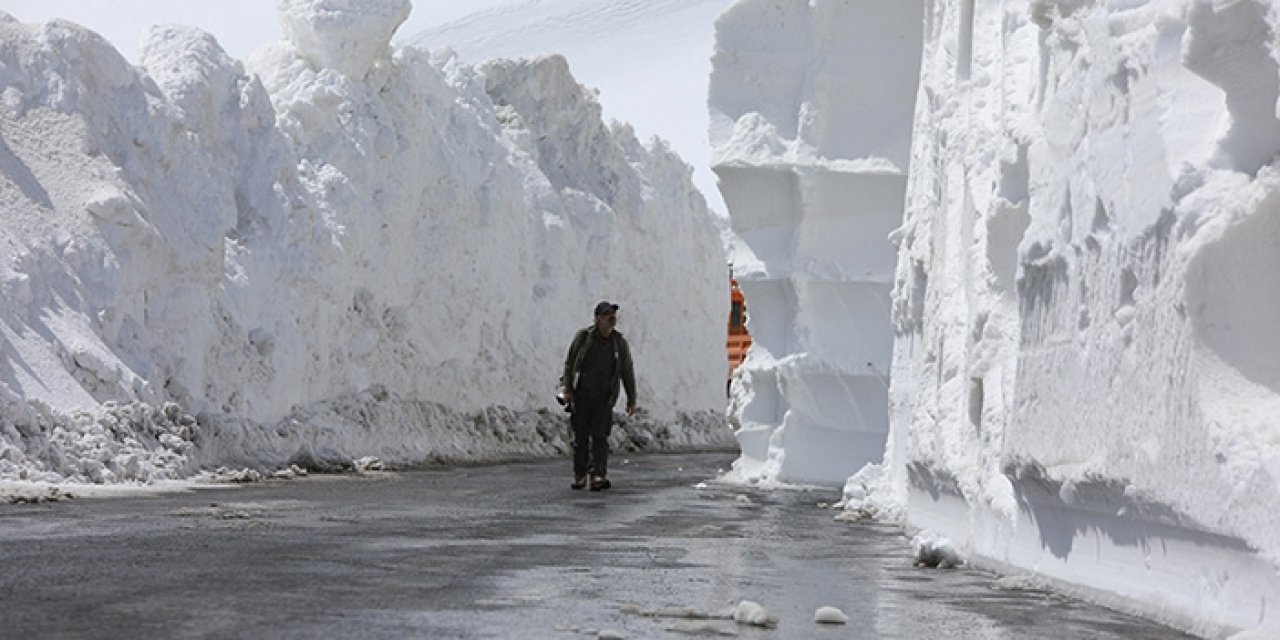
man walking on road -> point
(598, 360)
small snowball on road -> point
(830, 615)
(753, 613)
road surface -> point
(502, 551)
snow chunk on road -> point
(869, 495)
(934, 552)
(830, 615)
(753, 613)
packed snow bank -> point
(1083, 371)
(1085, 383)
(197, 262)
(813, 167)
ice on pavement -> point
(337, 249)
(1011, 274)
(745, 612)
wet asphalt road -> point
(493, 552)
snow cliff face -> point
(1091, 234)
(349, 219)
(1083, 382)
(813, 167)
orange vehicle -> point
(739, 340)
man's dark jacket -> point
(623, 372)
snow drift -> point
(348, 249)
(1084, 378)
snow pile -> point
(830, 615)
(934, 552)
(1085, 382)
(355, 250)
(753, 614)
(870, 494)
(813, 167)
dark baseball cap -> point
(605, 308)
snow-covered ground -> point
(343, 248)
(1084, 380)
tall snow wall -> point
(1085, 371)
(811, 126)
(1085, 382)
(349, 249)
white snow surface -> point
(1087, 364)
(1085, 380)
(649, 59)
(346, 249)
(934, 552)
(813, 167)
(830, 615)
(754, 614)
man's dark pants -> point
(592, 420)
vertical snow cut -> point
(1085, 391)
(813, 169)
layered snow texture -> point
(1085, 378)
(349, 249)
(1086, 297)
(811, 123)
